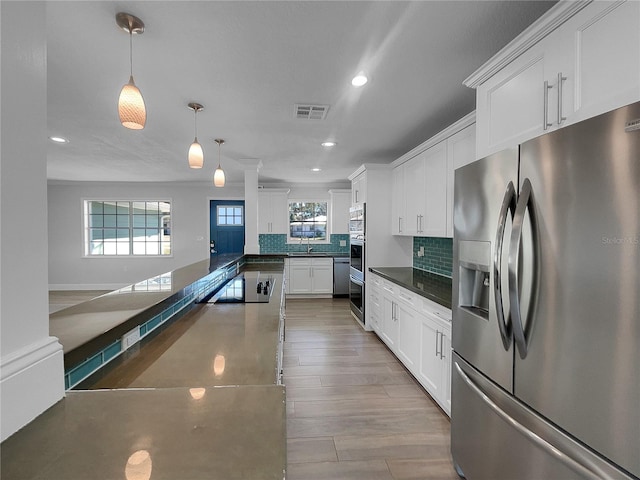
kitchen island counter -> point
(200, 398)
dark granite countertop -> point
(434, 287)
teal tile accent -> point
(438, 255)
(112, 350)
(85, 369)
(277, 243)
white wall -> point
(31, 365)
(68, 269)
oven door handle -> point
(356, 281)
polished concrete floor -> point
(353, 411)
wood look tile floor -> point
(353, 411)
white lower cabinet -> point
(309, 275)
(389, 331)
(374, 308)
(408, 337)
(418, 332)
(435, 360)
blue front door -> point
(226, 221)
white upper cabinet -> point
(273, 211)
(415, 195)
(578, 60)
(359, 189)
(606, 54)
(398, 201)
(422, 183)
(433, 223)
(340, 203)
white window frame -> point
(298, 241)
(86, 228)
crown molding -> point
(547, 23)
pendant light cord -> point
(131, 50)
(195, 122)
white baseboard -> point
(31, 381)
(87, 286)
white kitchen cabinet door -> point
(398, 201)
(359, 189)
(433, 222)
(374, 308)
(409, 325)
(605, 37)
(461, 150)
(340, 204)
(300, 278)
(510, 105)
(415, 194)
(273, 212)
(430, 370)
(322, 275)
(389, 321)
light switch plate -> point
(421, 252)
(343, 243)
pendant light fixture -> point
(131, 108)
(218, 177)
(196, 154)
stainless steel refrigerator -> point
(546, 306)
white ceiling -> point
(248, 63)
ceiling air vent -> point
(306, 111)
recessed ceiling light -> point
(328, 144)
(56, 139)
(315, 169)
(359, 80)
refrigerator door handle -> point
(525, 202)
(584, 469)
(508, 205)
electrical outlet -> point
(421, 252)
(343, 243)
(130, 338)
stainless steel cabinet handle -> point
(441, 345)
(437, 335)
(560, 80)
(545, 122)
(418, 223)
(508, 205)
(525, 202)
(399, 224)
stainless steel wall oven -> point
(357, 266)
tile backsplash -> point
(438, 255)
(277, 243)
